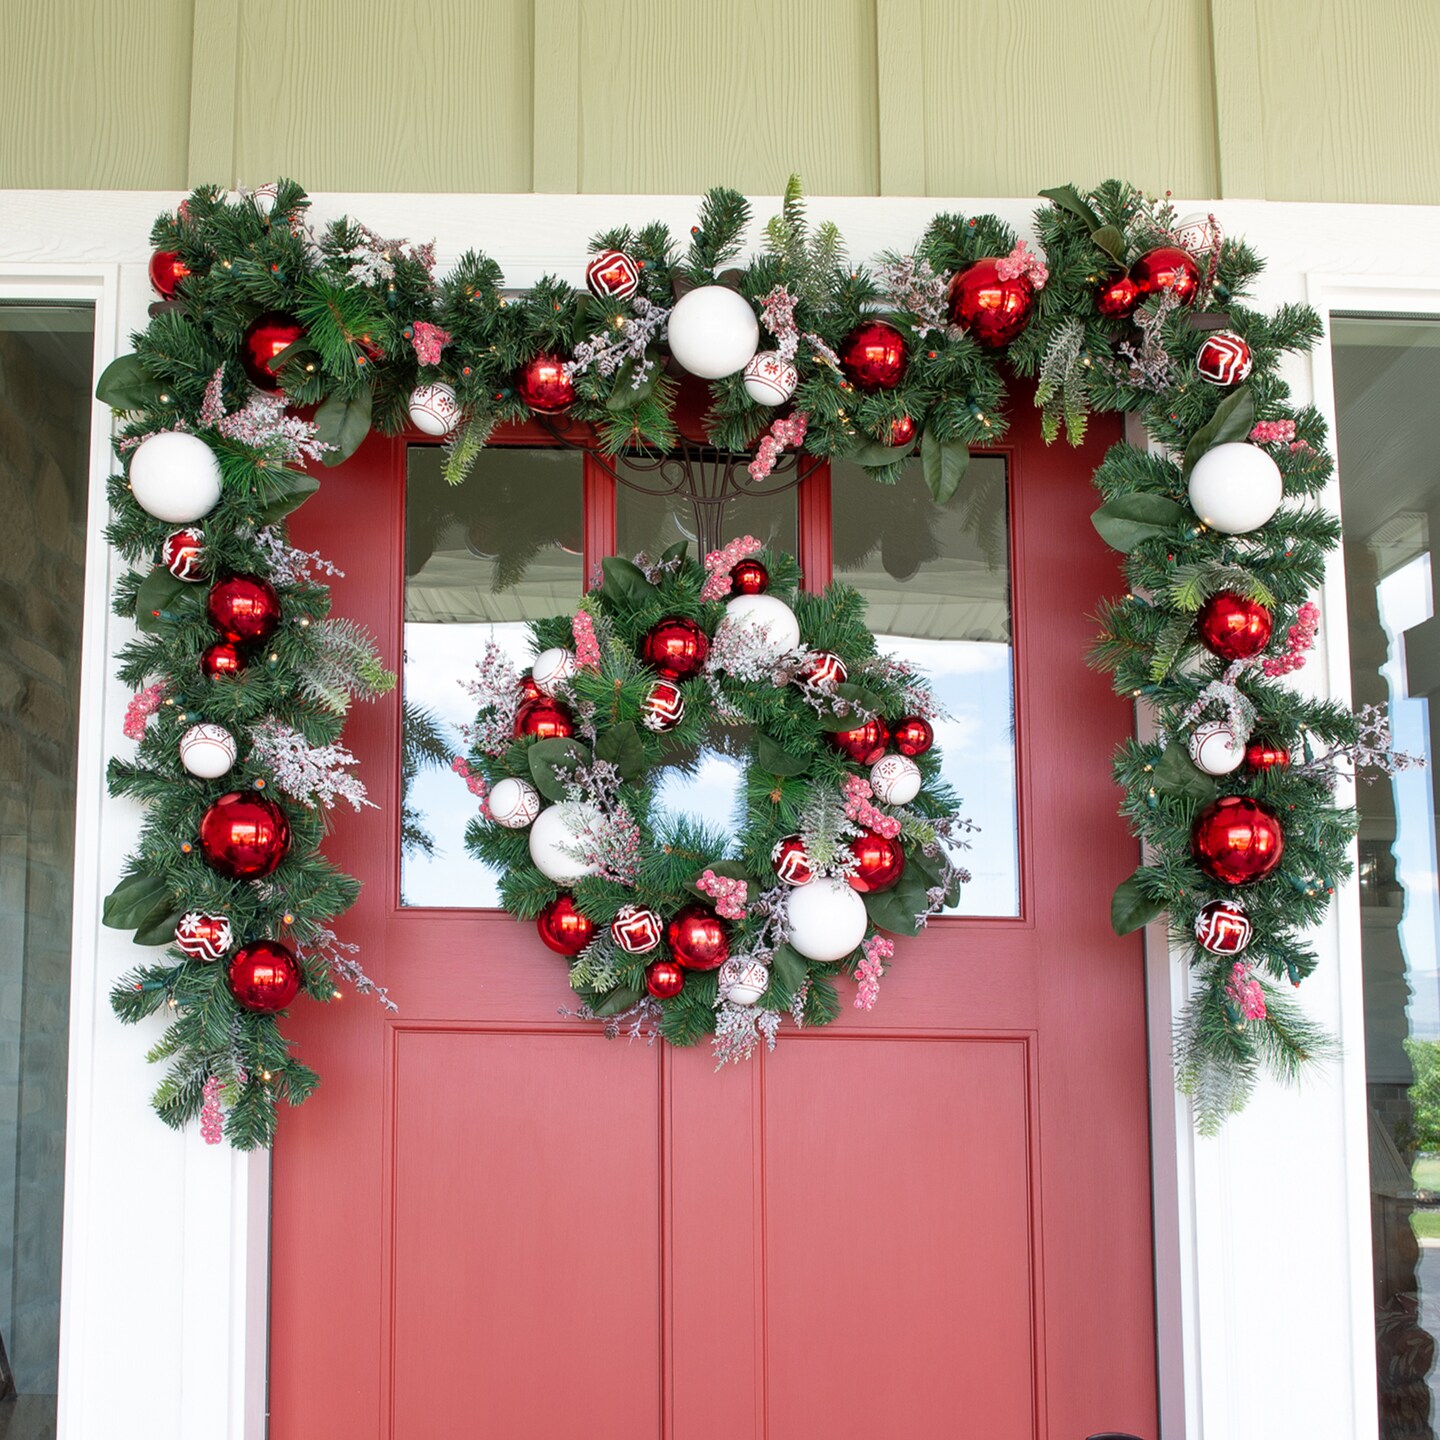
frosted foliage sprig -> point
(263, 423)
(628, 339)
(495, 690)
(289, 565)
(373, 260)
(341, 958)
(1148, 365)
(311, 774)
(909, 283)
(1373, 754)
(740, 1030)
(777, 315)
(746, 652)
(916, 696)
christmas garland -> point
(1130, 309)
(674, 928)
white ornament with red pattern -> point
(434, 408)
(664, 707)
(770, 379)
(207, 751)
(513, 803)
(552, 668)
(743, 980)
(612, 275)
(1199, 235)
(1222, 927)
(636, 929)
(895, 779)
(1224, 358)
(204, 937)
(790, 862)
(1215, 748)
(826, 669)
(182, 553)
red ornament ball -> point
(1265, 755)
(612, 275)
(1223, 359)
(544, 386)
(204, 937)
(1116, 299)
(791, 863)
(544, 719)
(750, 577)
(244, 609)
(1237, 840)
(637, 929)
(1167, 268)
(913, 735)
(264, 977)
(826, 668)
(865, 744)
(879, 860)
(529, 690)
(167, 270)
(182, 553)
(265, 338)
(1222, 927)
(676, 648)
(873, 356)
(902, 429)
(244, 836)
(664, 979)
(1233, 626)
(993, 310)
(563, 928)
(664, 707)
(222, 659)
(698, 938)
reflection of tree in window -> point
(423, 746)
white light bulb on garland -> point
(207, 751)
(770, 379)
(552, 668)
(1215, 748)
(554, 841)
(513, 803)
(1235, 488)
(778, 628)
(895, 779)
(175, 477)
(826, 919)
(713, 331)
(434, 410)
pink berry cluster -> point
(787, 430)
(1244, 990)
(728, 894)
(878, 949)
(141, 708)
(1300, 639)
(474, 783)
(719, 564)
(429, 340)
(1271, 432)
(587, 647)
(212, 1117)
(1021, 262)
(857, 793)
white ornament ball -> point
(827, 919)
(434, 410)
(1235, 488)
(895, 779)
(513, 803)
(175, 477)
(774, 618)
(743, 980)
(553, 834)
(770, 379)
(207, 751)
(1198, 235)
(551, 668)
(713, 331)
(1215, 748)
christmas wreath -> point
(674, 927)
(1125, 307)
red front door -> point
(927, 1220)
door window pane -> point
(481, 559)
(1387, 373)
(937, 578)
(45, 378)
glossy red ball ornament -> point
(790, 862)
(529, 690)
(244, 609)
(664, 979)
(264, 977)
(544, 719)
(182, 553)
(698, 938)
(902, 429)
(750, 577)
(1167, 268)
(265, 338)
(994, 311)
(1237, 840)
(676, 648)
(913, 736)
(563, 928)
(244, 836)
(544, 386)
(873, 356)
(1233, 626)
(222, 659)
(1116, 299)
(865, 744)
(879, 862)
(167, 270)
(1265, 755)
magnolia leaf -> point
(159, 927)
(1131, 907)
(788, 970)
(876, 456)
(617, 1002)
(1175, 774)
(1130, 520)
(895, 910)
(133, 901)
(343, 423)
(1111, 241)
(624, 393)
(552, 762)
(125, 384)
(157, 592)
(622, 747)
(945, 463)
(295, 490)
(1233, 419)
(625, 583)
(1067, 197)
(772, 756)
(675, 553)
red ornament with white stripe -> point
(791, 863)
(636, 929)
(1223, 928)
(612, 275)
(204, 937)
(181, 555)
(825, 669)
(1224, 359)
(664, 707)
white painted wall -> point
(1263, 1237)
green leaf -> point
(675, 553)
(1131, 908)
(788, 970)
(1067, 197)
(551, 762)
(624, 395)
(772, 756)
(622, 747)
(157, 592)
(133, 901)
(867, 700)
(125, 384)
(616, 1002)
(876, 456)
(945, 463)
(344, 423)
(1130, 520)
(625, 583)
(159, 927)
(1233, 420)
(1111, 241)
(295, 489)
(890, 910)
(1175, 774)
